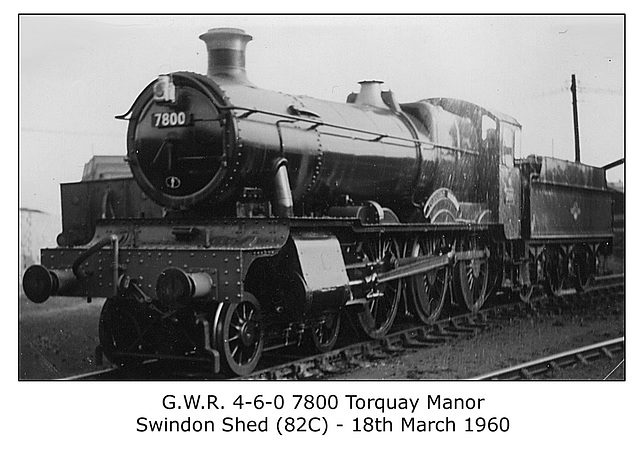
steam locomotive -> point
(276, 217)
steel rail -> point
(95, 375)
(582, 355)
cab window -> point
(489, 133)
(488, 127)
(507, 144)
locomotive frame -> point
(285, 214)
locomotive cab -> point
(510, 197)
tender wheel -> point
(381, 308)
(528, 289)
(120, 330)
(429, 290)
(600, 261)
(525, 293)
(496, 275)
(553, 269)
(322, 334)
(472, 277)
(238, 335)
(584, 267)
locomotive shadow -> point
(57, 339)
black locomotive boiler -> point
(284, 214)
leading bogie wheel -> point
(322, 334)
(238, 335)
(429, 289)
(120, 330)
(379, 312)
(472, 276)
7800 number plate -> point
(169, 119)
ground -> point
(514, 342)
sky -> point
(78, 72)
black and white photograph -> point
(407, 201)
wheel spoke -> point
(374, 308)
(234, 351)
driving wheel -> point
(429, 289)
(472, 276)
(381, 307)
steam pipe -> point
(79, 273)
(282, 197)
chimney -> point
(370, 94)
(226, 48)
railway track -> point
(445, 330)
(580, 356)
(406, 337)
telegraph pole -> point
(576, 133)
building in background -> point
(39, 229)
(106, 167)
(35, 233)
